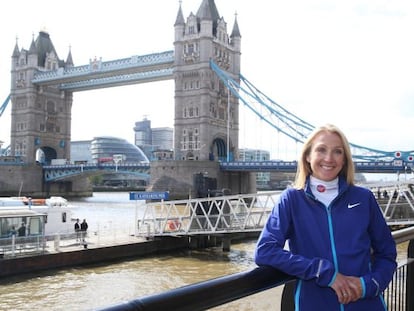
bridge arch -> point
(219, 149)
(45, 154)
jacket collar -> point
(342, 185)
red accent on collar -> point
(320, 188)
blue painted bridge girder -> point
(291, 166)
(142, 170)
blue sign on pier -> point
(149, 195)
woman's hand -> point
(347, 288)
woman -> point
(339, 245)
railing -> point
(371, 166)
(242, 213)
(106, 234)
(211, 215)
(22, 246)
(219, 291)
(59, 172)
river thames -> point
(97, 286)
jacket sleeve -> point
(270, 249)
(384, 254)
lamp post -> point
(228, 121)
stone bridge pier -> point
(27, 180)
(178, 177)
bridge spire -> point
(180, 17)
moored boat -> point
(59, 216)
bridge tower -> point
(41, 115)
(206, 115)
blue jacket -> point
(349, 236)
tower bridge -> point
(209, 87)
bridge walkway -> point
(396, 200)
(248, 212)
(204, 216)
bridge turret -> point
(235, 41)
(179, 28)
(41, 115)
(203, 106)
(15, 56)
(32, 59)
(69, 60)
(179, 24)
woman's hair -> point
(304, 168)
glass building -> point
(162, 137)
(80, 151)
(153, 141)
(143, 133)
(262, 178)
(104, 148)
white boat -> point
(59, 216)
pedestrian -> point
(22, 230)
(77, 230)
(83, 228)
(339, 246)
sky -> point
(350, 63)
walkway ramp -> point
(396, 200)
(249, 212)
(213, 215)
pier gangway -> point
(396, 200)
(244, 213)
(203, 216)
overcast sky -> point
(350, 63)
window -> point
(190, 48)
(50, 107)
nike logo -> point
(353, 205)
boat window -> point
(35, 227)
(7, 225)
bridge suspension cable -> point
(288, 123)
(4, 105)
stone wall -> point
(27, 180)
(24, 180)
(177, 177)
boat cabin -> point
(58, 215)
(21, 223)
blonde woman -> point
(339, 245)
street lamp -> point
(228, 120)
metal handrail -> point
(208, 294)
(222, 290)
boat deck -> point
(33, 246)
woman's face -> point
(327, 156)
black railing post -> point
(410, 279)
(288, 299)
